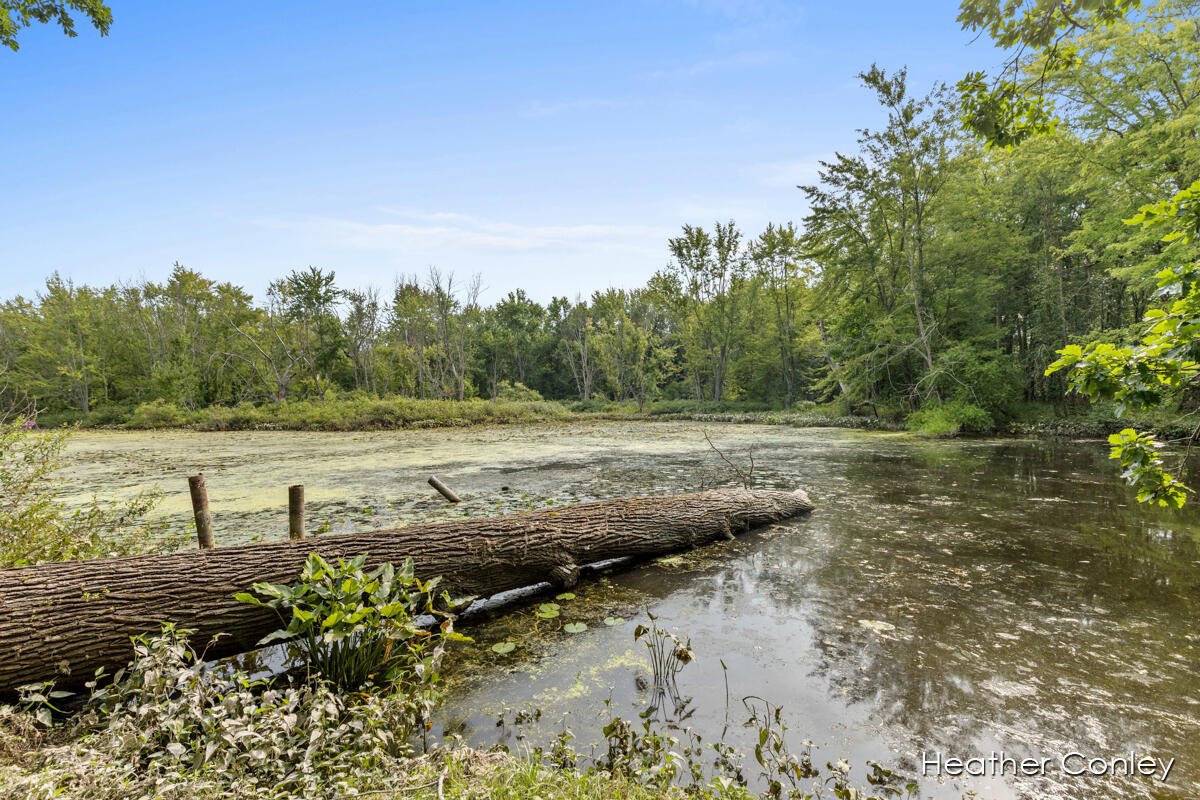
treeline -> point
(729, 323)
(929, 273)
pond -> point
(946, 597)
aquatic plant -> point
(170, 725)
(358, 628)
(668, 655)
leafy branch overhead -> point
(1037, 34)
(18, 14)
(1164, 362)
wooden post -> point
(296, 512)
(204, 529)
(444, 489)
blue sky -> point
(548, 145)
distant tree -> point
(18, 14)
(776, 256)
(708, 270)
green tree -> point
(778, 260)
(1163, 363)
(870, 228)
(708, 270)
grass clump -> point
(354, 412)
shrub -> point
(982, 377)
(36, 527)
(949, 419)
(518, 392)
(159, 414)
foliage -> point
(168, 725)
(36, 526)
(159, 414)
(1008, 111)
(930, 269)
(949, 418)
(359, 628)
(18, 14)
(517, 393)
(1161, 365)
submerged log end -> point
(564, 576)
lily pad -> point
(547, 610)
(504, 647)
(575, 627)
(564, 596)
(613, 621)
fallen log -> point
(62, 621)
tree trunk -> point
(62, 621)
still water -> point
(1028, 605)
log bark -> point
(62, 621)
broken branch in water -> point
(747, 478)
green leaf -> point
(504, 647)
(575, 627)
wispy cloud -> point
(786, 174)
(541, 108)
(749, 59)
(418, 230)
(736, 9)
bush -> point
(517, 392)
(36, 527)
(949, 419)
(159, 414)
(980, 377)
(107, 416)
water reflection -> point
(1028, 605)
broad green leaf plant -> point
(359, 629)
(1161, 365)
